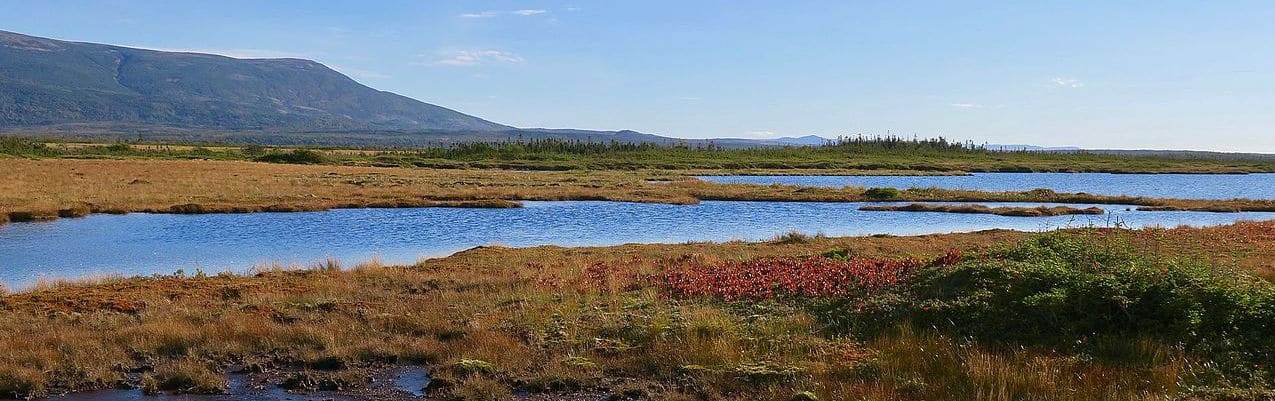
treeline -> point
(876, 153)
(549, 146)
(898, 143)
(25, 147)
(514, 148)
(19, 146)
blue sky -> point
(1099, 74)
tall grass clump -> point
(795, 237)
(184, 376)
(22, 382)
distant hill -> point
(1009, 148)
(808, 140)
(51, 83)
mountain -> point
(808, 140)
(49, 83)
(1034, 148)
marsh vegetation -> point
(1082, 314)
(879, 155)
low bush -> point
(475, 366)
(1078, 293)
(296, 156)
(881, 193)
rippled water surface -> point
(143, 244)
(1186, 186)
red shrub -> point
(774, 277)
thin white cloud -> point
(1068, 82)
(497, 13)
(466, 58)
(484, 14)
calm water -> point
(1185, 186)
(406, 381)
(143, 244)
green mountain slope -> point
(46, 82)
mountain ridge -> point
(47, 82)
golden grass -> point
(492, 317)
(52, 188)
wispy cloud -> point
(483, 14)
(497, 13)
(1068, 82)
(976, 106)
(466, 58)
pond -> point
(1184, 186)
(144, 244)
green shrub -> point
(475, 366)
(1082, 293)
(881, 193)
(296, 156)
(24, 147)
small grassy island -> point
(981, 209)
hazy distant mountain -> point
(46, 82)
(808, 140)
(1007, 148)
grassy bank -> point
(37, 189)
(1074, 315)
(861, 155)
(982, 209)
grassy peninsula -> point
(1071, 315)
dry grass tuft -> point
(184, 376)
